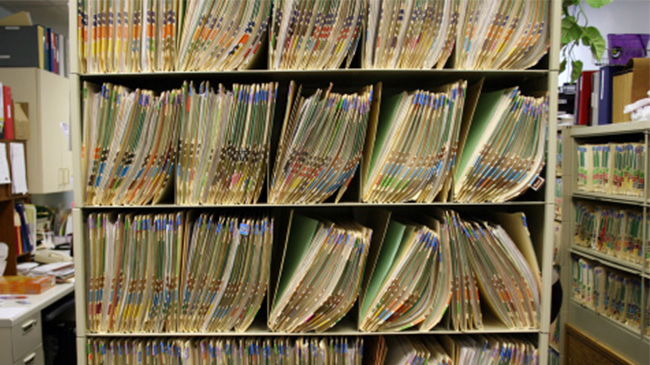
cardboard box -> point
(25, 284)
(21, 121)
(629, 86)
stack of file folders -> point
(321, 274)
(180, 35)
(456, 260)
(448, 350)
(610, 230)
(613, 168)
(224, 143)
(318, 34)
(173, 35)
(176, 273)
(484, 34)
(227, 350)
(612, 293)
(503, 153)
(415, 145)
(214, 146)
(129, 144)
(320, 145)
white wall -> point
(621, 16)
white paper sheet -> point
(18, 170)
(5, 178)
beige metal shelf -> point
(610, 129)
(610, 198)
(608, 260)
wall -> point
(621, 16)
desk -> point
(21, 339)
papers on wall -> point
(409, 34)
(320, 145)
(129, 144)
(172, 35)
(610, 230)
(227, 350)
(612, 293)
(176, 273)
(613, 168)
(317, 34)
(504, 151)
(498, 34)
(18, 168)
(415, 146)
(224, 143)
(321, 274)
(5, 177)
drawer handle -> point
(28, 326)
(29, 359)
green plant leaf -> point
(576, 70)
(562, 66)
(595, 42)
(597, 3)
(571, 31)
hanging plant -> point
(576, 30)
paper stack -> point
(612, 293)
(613, 168)
(320, 145)
(172, 273)
(612, 231)
(415, 146)
(224, 143)
(129, 144)
(504, 150)
(321, 274)
(171, 35)
(226, 350)
(411, 280)
(314, 35)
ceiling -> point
(49, 13)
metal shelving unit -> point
(541, 203)
(628, 342)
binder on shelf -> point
(2, 111)
(583, 98)
(605, 97)
(7, 132)
(594, 99)
(23, 46)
